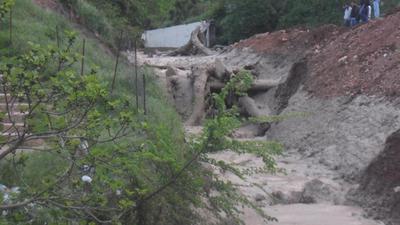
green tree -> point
(312, 12)
(240, 19)
(5, 7)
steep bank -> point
(379, 187)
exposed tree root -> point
(193, 47)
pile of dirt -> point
(289, 42)
(364, 60)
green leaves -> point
(5, 7)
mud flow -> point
(341, 157)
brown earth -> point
(362, 60)
(290, 41)
(380, 184)
(365, 60)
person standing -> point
(354, 16)
(361, 11)
(376, 8)
(364, 10)
(369, 10)
(347, 15)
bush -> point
(238, 19)
(94, 19)
(311, 13)
(150, 155)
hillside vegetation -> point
(84, 153)
(235, 19)
(34, 34)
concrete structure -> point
(177, 36)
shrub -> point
(94, 19)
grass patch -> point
(32, 23)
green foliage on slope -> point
(235, 19)
(141, 168)
(240, 19)
(144, 158)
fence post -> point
(144, 93)
(11, 30)
(58, 47)
(136, 78)
(58, 37)
(116, 63)
(83, 56)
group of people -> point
(361, 13)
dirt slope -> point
(365, 60)
(362, 60)
(290, 42)
(380, 185)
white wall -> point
(170, 37)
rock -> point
(249, 107)
(170, 72)
(343, 59)
(6, 198)
(251, 131)
(316, 191)
(15, 190)
(3, 188)
(84, 145)
(86, 179)
(118, 192)
(221, 71)
(86, 168)
(259, 198)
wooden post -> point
(58, 48)
(144, 93)
(58, 37)
(11, 34)
(116, 63)
(136, 78)
(11, 30)
(83, 56)
(115, 73)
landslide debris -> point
(292, 41)
(364, 60)
(338, 76)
